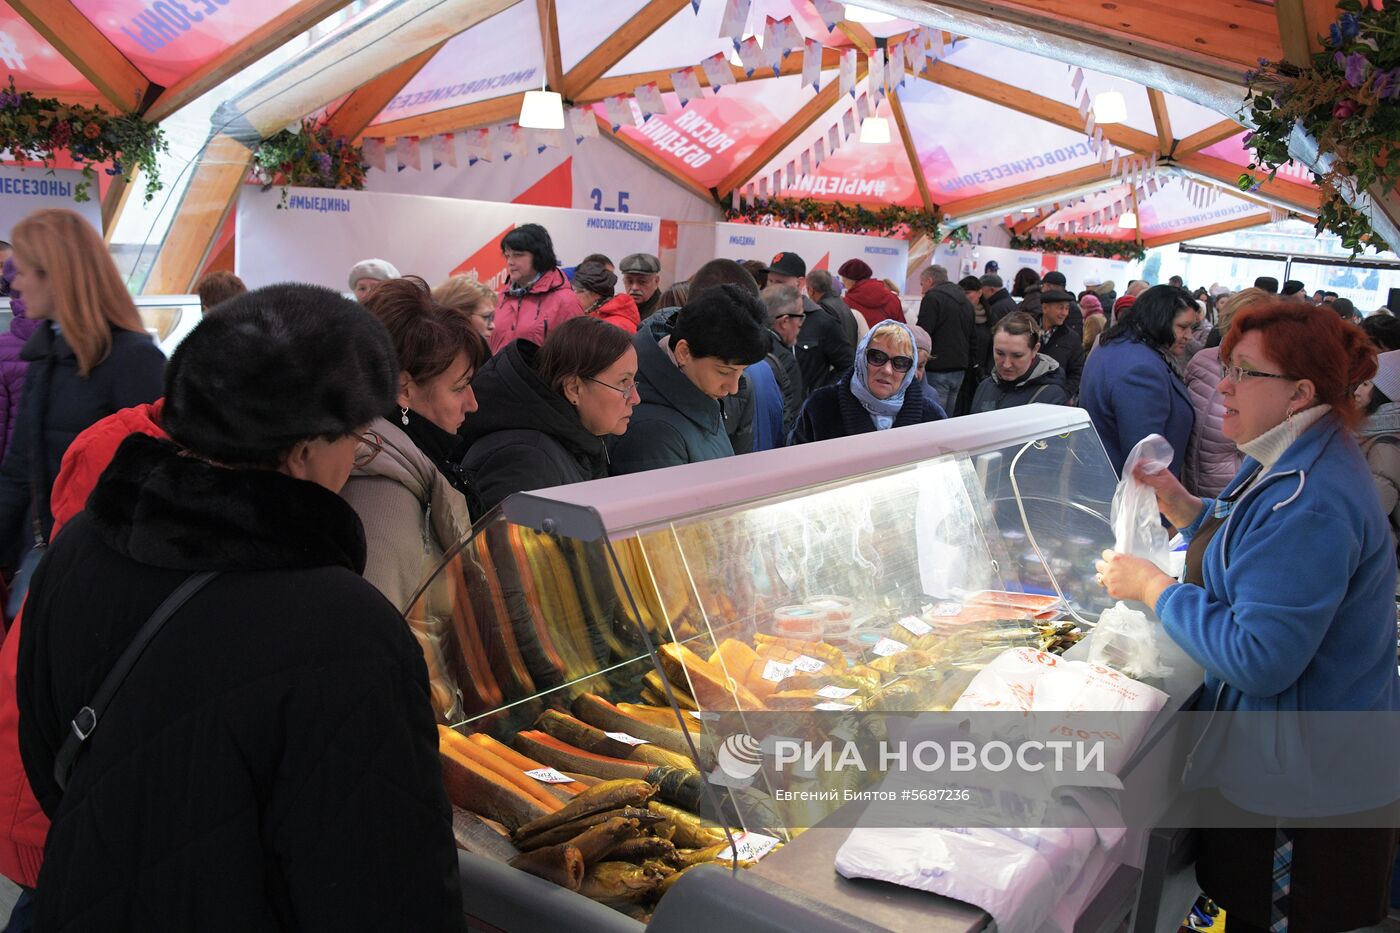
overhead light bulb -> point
(1127, 221)
(1110, 107)
(859, 14)
(542, 110)
(875, 130)
(1027, 210)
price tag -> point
(550, 776)
(948, 609)
(776, 671)
(628, 739)
(915, 626)
(835, 707)
(808, 665)
(833, 692)
(750, 847)
(888, 646)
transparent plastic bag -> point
(1126, 640)
(1137, 524)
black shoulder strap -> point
(87, 718)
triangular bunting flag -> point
(812, 64)
(442, 145)
(833, 140)
(876, 76)
(374, 152)
(735, 18)
(806, 161)
(410, 157)
(763, 189)
(862, 108)
(848, 72)
(791, 173)
(582, 122)
(717, 70)
(650, 100)
(752, 55)
(848, 123)
(895, 72)
(830, 11)
(819, 152)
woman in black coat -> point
(98, 360)
(270, 762)
(882, 391)
(1020, 373)
(545, 410)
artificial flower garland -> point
(311, 157)
(836, 217)
(1082, 246)
(36, 129)
(1348, 99)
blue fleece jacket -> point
(1130, 391)
(1296, 614)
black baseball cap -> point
(789, 264)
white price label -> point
(948, 609)
(777, 671)
(550, 776)
(750, 847)
(835, 707)
(915, 626)
(833, 692)
(888, 646)
(628, 739)
(808, 665)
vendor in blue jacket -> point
(1130, 387)
(1287, 602)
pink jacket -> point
(1212, 459)
(549, 302)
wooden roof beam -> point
(651, 159)
(1161, 119)
(1239, 223)
(451, 119)
(910, 150)
(121, 84)
(200, 215)
(800, 122)
(1054, 187)
(367, 101)
(625, 84)
(1288, 193)
(1204, 139)
(617, 46)
(549, 42)
(293, 21)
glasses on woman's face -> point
(1237, 374)
(367, 446)
(626, 391)
(878, 358)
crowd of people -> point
(308, 459)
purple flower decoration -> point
(1387, 84)
(1335, 35)
(323, 161)
(1350, 25)
(1354, 65)
(9, 99)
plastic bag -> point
(1137, 524)
(1125, 639)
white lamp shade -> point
(542, 110)
(859, 14)
(875, 130)
(1127, 220)
(1110, 107)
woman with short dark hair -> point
(271, 758)
(1021, 374)
(536, 296)
(1130, 385)
(412, 496)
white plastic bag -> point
(1137, 523)
(1125, 639)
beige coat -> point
(412, 517)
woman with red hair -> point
(1286, 602)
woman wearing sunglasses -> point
(882, 391)
(1021, 374)
(408, 487)
(1286, 601)
(546, 409)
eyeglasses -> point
(800, 316)
(626, 391)
(878, 358)
(1237, 374)
(369, 445)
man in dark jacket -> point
(682, 377)
(216, 792)
(785, 316)
(641, 277)
(947, 315)
(1058, 340)
(1056, 279)
(822, 289)
(997, 303)
(824, 352)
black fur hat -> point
(274, 367)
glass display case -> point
(595, 632)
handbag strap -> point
(85, 722)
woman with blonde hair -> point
(89, 357)
(465, 294)
(1212, 459)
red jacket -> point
(23, 826)
(873, 301)
(549, 302)
(619, 310)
